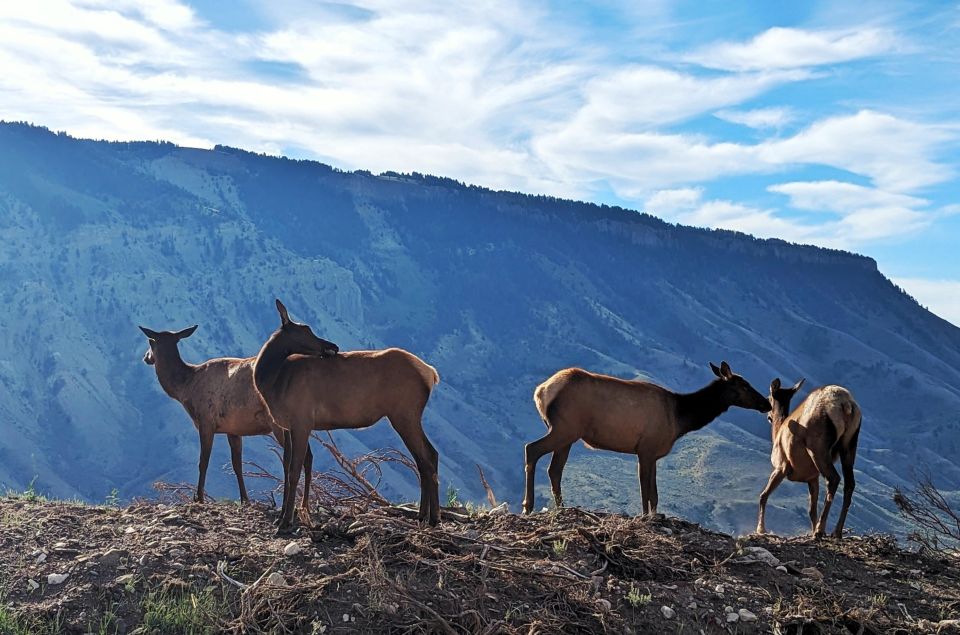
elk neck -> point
(269, 360)
(697, 409)
(173, 373)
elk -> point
(348, 390)
(806, 444)
(220, 398)
(633, 417)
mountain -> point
(497, 290)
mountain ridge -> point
(497, 290)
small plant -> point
(107, 624)
(30, 493)
(879, 600)
(182, 611)
(637, 599)
(113, 498)
(453, 496)
(559, 547)
(13, 624)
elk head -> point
(737, 391)
(779, 400)
(295, 337)
(163, 342)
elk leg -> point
(206, 445)
(847, 458)
(532, 453)
(236, 457)
(556, 472)
(643, 475)
(412, 435)
(434, 483)
(653, 498)
(307, 476)
(776, 477)
(287, 442)
(821, 458)
(299, 442)
(814, 487)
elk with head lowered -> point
(633, 417)
(807, 443)
(220, 398)
(355, 389)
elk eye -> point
(769, 418)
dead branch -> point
(486, 486)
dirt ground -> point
(191, 568)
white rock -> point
(41, 558)
(719, 589)
(346, 617)
(728, 609)
(57, 578)
(292, 549)
(32, 585)
(502, 508)
(733, 617)
(130, 530)
(768, 610)
(667, 612)
(758, 554)
(276, 579)
(747, 616)
(782, 569)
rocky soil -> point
(190, 568)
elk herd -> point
(299, 383)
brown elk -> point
(356, 389)
(220, 398)
(806, 444)
(633, 417)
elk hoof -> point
(288, 529)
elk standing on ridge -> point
(356, 389)
(806, 444)
(220, 398)
(633, 417)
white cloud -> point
(687, 206)
(850, 214)
(898, 155)
(940, 296)
(496, 93)
(782, 48)
(759, 118)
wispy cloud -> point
(501, 93)
(781, 48)
(760, 118)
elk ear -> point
(716, 371)
(185, 333)
(725, 371)
(797, 385)
(775, 385)
(150, 334)
(284, 318)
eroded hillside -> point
(497, 290)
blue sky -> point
(831, 123)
